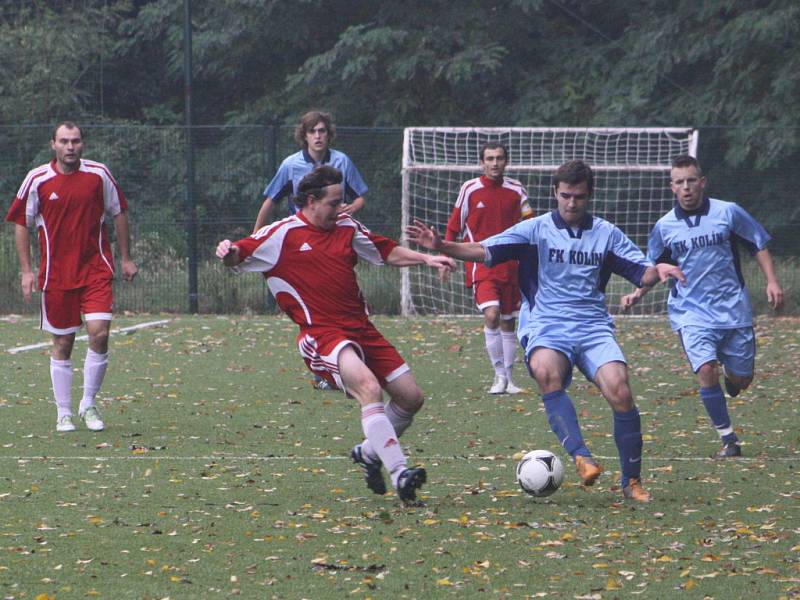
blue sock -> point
(717, 409)
(564, 422)
(628, 436)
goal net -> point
(631, 168)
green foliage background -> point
(727, 68)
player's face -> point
(573, 202)
(494, 163)
(317, 138)
(67, 147)
(688, 187)
(323, 212)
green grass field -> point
(223, 473)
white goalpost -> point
(631, 167)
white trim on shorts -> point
(97, 317)
(402, 369)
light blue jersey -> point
(298, 165)
(705, 244)
(563, 271)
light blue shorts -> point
(588, 350)
(733, 348)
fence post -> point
(191, 208)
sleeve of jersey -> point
(625, 259)
(16, 214)
(748, 231)
(372, 247)
(455, 224)
(511, 244)
(657, 252)
(113, 199)
(280, 185)
(453, 229)
(354, 180)
(258, 253)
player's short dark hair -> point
(68, 125)
(574, 172)
(308, 121)
(313, 184)
(683, 161)
(494, 145)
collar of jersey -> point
(701, 210)
(309, 159)
(489, 182)
(585, 225)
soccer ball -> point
(540, 473)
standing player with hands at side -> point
(712, 314)
(309, 262)
(565, 260)
(67, 200)
(488, 205)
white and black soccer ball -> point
(540, 473)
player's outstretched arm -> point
(228, 252)
(774, 289)
(427, 237)
(22, 238)
(405, 257)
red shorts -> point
(62, 309)
(490, 292)
(320, 348)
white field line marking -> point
(153, 455)
(124, 330)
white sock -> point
(382, 439)
(94, 370)
(61, 376)
(399, 418)
(494, 348)
(510, 345)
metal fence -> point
(232, 166)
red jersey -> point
(69, 211)
(486, 207)
(311, 271)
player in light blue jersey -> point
(712, 313)
(566, 258)
(315, 133)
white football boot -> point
(91, 416)
(498, 385)
(65, 424)
(513, 388)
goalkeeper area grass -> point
(222, 472)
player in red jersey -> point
(488, 205)
(309, 262)
(68, 200)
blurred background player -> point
(712, 313)
(67, 200)
(566, 258)
(314, 134)
(308, 260)
(488, 205)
